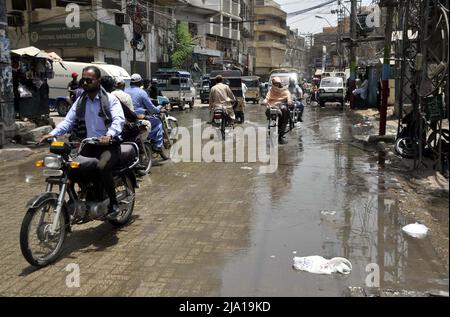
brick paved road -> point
(216, 229)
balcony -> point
(231, 8)
(271, 11)
(267, 62)
(270, 29)
(268, 44)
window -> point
(44, 4)
(112, 4)
(262, 38)
(19, 5)
(331, 82)
(63, 3)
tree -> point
(183, 49)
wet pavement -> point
(223, 229)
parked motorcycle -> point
(50, 217)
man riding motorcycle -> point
(221, 96)
(141, 103)
(297, 96)
(96, 113)
(277, 95)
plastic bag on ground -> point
(416, 230)
(319, 265)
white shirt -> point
(124, 98)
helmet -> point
(74, 75)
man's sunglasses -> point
(86, 80)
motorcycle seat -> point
(128, 153)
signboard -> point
(60, 36)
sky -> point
(307, 22)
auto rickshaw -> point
(253, 90)
(232, 78)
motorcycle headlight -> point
(53, 162)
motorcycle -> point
(170, 131)
(50, 217)
(293, 115)
(274, 114)
(221, 120)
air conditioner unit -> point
(121, 19)
(15, 19)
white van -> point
(58, 94)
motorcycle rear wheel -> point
(146, 158)
(29, 249)
(126, 204)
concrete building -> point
(269, 37)
(296, 55)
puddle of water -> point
(329, 177)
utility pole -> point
(386, 70)
(353, 44)
(6, 86)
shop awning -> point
(35, 52)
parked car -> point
(331, 89)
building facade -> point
(270, 36)
(296, 55)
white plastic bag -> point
(319, 265)
(416, 230)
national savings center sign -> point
(59, 35)
(87, 35)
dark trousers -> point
(101, 158)
(283, 119)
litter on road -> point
(328, 212)
(319, 265)
(416, 230)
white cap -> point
(136, 78)
(119, 80)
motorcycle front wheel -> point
(173, 130)
(38, 245)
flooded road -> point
(224, 229)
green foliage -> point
(183, 50)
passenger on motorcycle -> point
(141, 103)
(297, 96)
(276, 96)
(96, 113)
(221, 96)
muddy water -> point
(328, 198)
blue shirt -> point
(95, 126)
(141, 101)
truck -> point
(177, 85)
